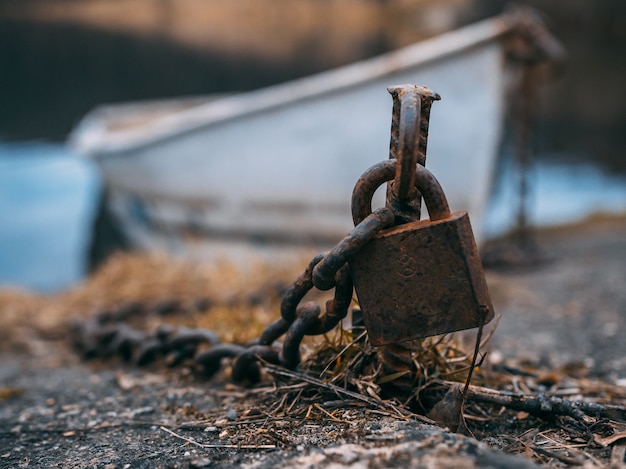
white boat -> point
(280, 163)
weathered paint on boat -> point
(280, 163)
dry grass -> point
(341, 372)
(241, 302)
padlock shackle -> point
(385, 171)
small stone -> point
(70, 407)
(125, 381)
(200, 462)
(211, 429)
(142, 411)
(447, 412)
(348, 457)
(231, 415)
(69, 413)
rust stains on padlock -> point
(421, 279)
(418, 278)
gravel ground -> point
(565, 314)
(77, 417)
(572, 308)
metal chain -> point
(105, 335)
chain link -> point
(106, 335)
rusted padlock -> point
(421, 278)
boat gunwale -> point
(91, 137)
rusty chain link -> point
(105, 335)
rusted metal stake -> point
(410, 121)
(409, 138)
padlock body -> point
(421, 279)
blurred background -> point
(61, 58)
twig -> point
(293, 403)
(479, 334)
(180, 437)
(202, 445)
(328, 414)
(279, 404)
(561, 457)
(339, 390)
(344, 350)
(543, 404)
(492, 330)
(202, 424)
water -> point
(562, 190)
(48, 202)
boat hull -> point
(280, 164)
